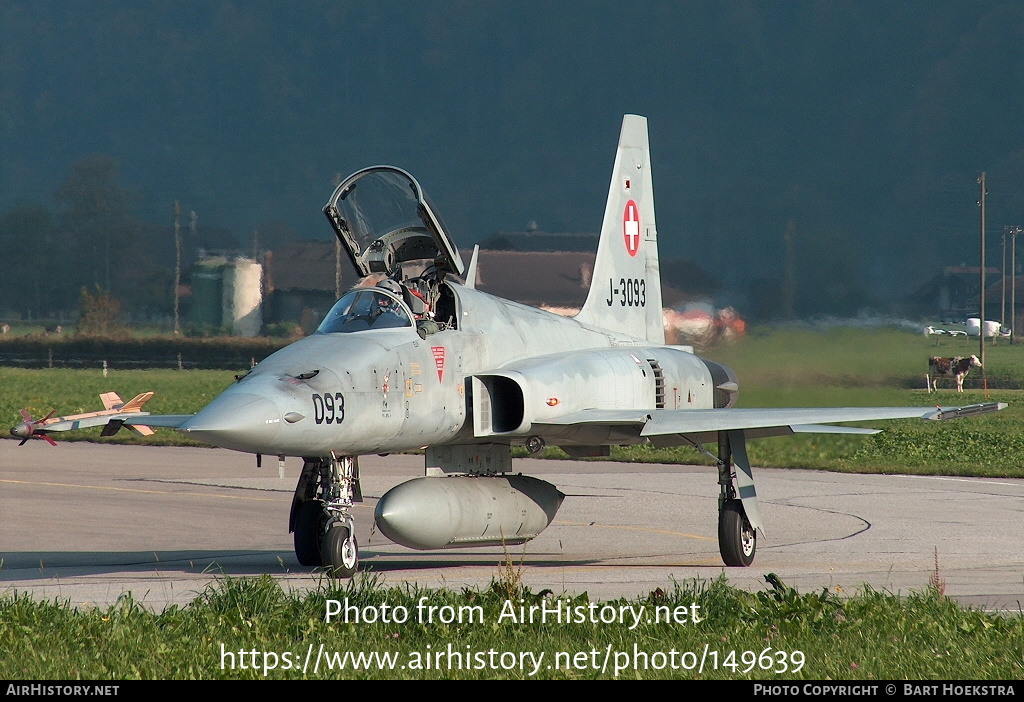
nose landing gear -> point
(340, 552)
(321, 516)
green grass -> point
(75, 391)
(850, 367)
(879, 367)
(788, 358)
(776, 368)
(869, 635)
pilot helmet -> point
(391, 286)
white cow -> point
(945, 367)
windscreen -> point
(360, 310)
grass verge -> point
(777, 368)
(253, 629)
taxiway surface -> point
(84, 523)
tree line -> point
(89, 245)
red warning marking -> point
(439, 360)
(631, 228)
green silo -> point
(208, 292)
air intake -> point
(727, 390)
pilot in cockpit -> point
(389, 312)
(412, 295)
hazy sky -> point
(865, 121)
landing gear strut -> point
(321, 515)
(739, 516)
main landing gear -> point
(321, 515)
(739, 516)
(737, 540)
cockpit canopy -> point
(384, 219)
(365, 308)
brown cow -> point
(945, 367)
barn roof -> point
(306, 265)
(554, 278)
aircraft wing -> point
(704, 424)
(169, 421)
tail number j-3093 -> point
(328, 408)
(630, 292)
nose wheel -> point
(340, 552)
(321, 517)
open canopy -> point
(384, 219)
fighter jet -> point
(421, 360)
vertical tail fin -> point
(625, 290)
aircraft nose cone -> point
(241, 421)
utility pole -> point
(1002, 285)
(981, 354)
(177, 264)
(193, 226)
(1013, 232)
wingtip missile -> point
(32, 428)
(942, 413)
(111, 418)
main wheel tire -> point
(309, 530)
(737, 540)
(340, 552)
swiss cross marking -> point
(631, 228)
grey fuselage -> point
(389, 390)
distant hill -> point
(864, 123)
